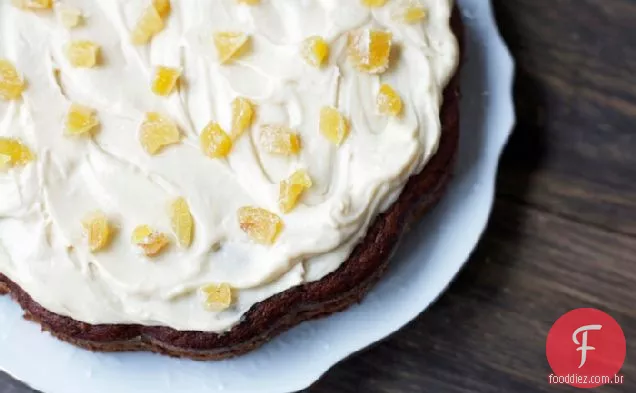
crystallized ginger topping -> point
(165, 80)
(333, 125)
(315, 50)
(389, 101)
(229, 45)
(261, 226)
(82, 54)
(242, 115)
(150, 242)
(369, 50)
(291, 190)
(182, 222)
(11, 83)
(218, 297)
(280, 140)
(97, 231)
(158, 131)
(215, 142)
(14, 153)
(80, 120)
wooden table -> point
(563, 231)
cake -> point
(193, 178)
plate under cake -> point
(264, 320)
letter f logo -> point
(583, 344)
(588, 344)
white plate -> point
(425, 264)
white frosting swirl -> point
(41, 205)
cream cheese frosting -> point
(42, 247)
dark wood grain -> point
(563, 231)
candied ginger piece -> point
(14, 153)
(165, 80)
(157, 132)
(162, 7)
(315, 50)
(149, 24)
(149, 241)
(409, 11)
(80, 120)
(242, 115)
(279, 139)
(11, 83)
(70, 16)
(182, 222)
(229, 45)
(82, 54)
(333, 125)
(291, 190)
(215, 142)
(374, 3)
(261, 226)
(97, 231)
(369, 50)
(33, 4)
(5, 160)
(218, 297)
(389, 101)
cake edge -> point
(265, 320)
